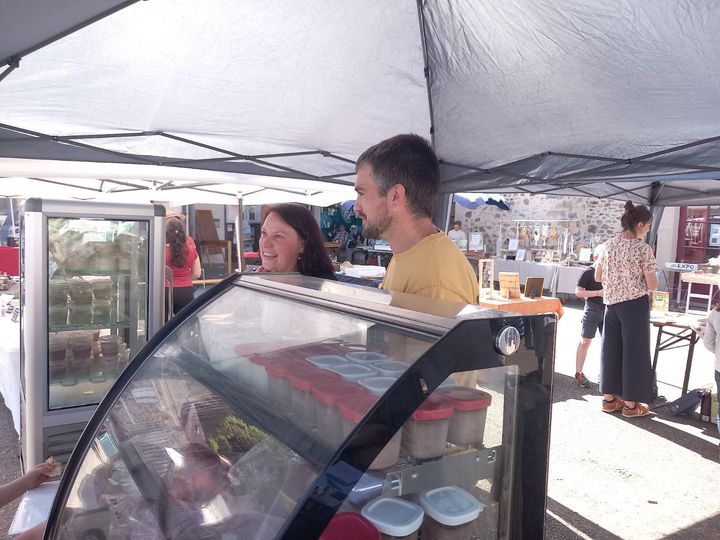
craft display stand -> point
(486, 277)
(541, 240)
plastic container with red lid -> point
(354, 410)
(257, 376)
(350, 526)
(327, 396)
(425, 433)
(278, 384)
(301, 382)
(467, 425)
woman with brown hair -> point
(182, 258)
(626, 270)
(290, 241)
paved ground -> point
(610, 478)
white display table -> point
(567, 279)
(558, 279)
(10, 366)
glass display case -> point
(88, 274)
(282, 406)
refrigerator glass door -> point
(97, 304)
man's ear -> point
(397, 193)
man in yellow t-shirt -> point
(397, 185)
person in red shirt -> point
(182, 257)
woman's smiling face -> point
(280, 245)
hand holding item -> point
(44, 472)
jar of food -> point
(80, 366)
(425, 432)
(467, 424)
(377, 385)
(57, 351)
(58, 292)
(352, 412)
(327, 395)
(110, 345)
(450, 513)
(101, 311)
(81, 343)
(109, 364)
(395, 518)
(350, 526)
(301, 396)
(367, 357)
(101, 287)
(80, 314)
(58, 315)
(353, 372)
(80, 291)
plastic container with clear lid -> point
(352, 372)
(58, 292)
(467, 424)
(326, 361)
(81, 366)
(58, 315)
(302, 400)
(367, 356)
(350, 526)
(352, 411)
(81, 343)
(111, 345)
(80, 291)
(450, 513)
(425, 432)
(327, 396)
(391, 368)
(377, 385)
(395, 518)
(109, 364)
(80, 314)
(57, 350)
(102, 287)
(101, 311)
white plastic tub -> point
(450, 513)
(395, 518)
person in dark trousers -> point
(182, 258)
(627, 272)
(592, 318)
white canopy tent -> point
(598, 98)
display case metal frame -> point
(39, 421)
(519, 471)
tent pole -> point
(239, 235)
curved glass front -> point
(223, 430)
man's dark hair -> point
(408, 160)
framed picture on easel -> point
(534, 287)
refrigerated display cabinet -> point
(277, 404)
(91, 295)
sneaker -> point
(581, 379)
(614, 405)
(640, 409)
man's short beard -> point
(376, 230)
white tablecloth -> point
(567, 278)
(558, 279)
(528, 269)
(10, 366)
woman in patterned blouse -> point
(627, 272)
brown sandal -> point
(614, 405)
(640, 409)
